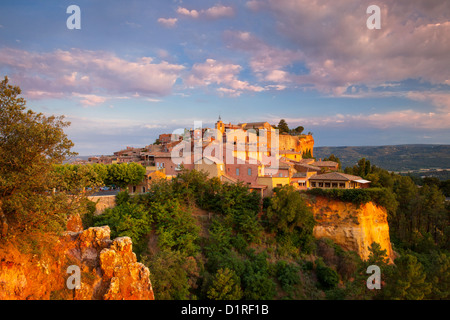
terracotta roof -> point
(227, 178)
(335, 176)
(161, 154)
(325, 164)
(299, 175)
(307, 166)
(306, 161)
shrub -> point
(327, 277)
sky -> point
(136, 69)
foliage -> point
(289, 214)
(283, 126)
(174, 275)
(407, 281)
(380, 196)
(287, 275)
(127, 219)
(328, 278)
(225, 286)
(30, 144)
(124, 174)
(332, 157)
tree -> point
(225, 286)
(283, 126)
(407, 281)
(299, 130)
(125, 174)
(332, 157)
(288, 210)
(289, 215)
(30, 144)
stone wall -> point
(103, 202)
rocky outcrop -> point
(351, 226)
(108, 270)
(303, 143)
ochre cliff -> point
(301, 143)
(351, 226)
(109, 270)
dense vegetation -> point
(203, 239)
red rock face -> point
(109, 270)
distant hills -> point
(415, 158)
(398, 158)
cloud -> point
(219, 11)
(90, 99)
(168, 22)
(407, 118)
(439, 99)
(63, 72)
(216, 12)
(189, 13)
(266, 61)
(225, 75)
(339, 51)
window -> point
(134, 189)
(249, 171)
(143, 189)
(237, 171)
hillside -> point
(408, 157)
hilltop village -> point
(242, 160)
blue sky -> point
(136, 69)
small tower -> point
(220, 125)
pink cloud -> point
(87, 72)
(340, 51)
(213, 72)
(394, 119)
(216, 12)
(168, 22)
(266, 61)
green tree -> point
(287, 275)
(174, 276)
(30, 144)
(125, 174)
(439, 276)
(225, 286)
(299, 130)
(288, 211)
(332, 157)
(128, 219)
(407, 281)
(283, 126)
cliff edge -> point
(351, 226)
(108, 270)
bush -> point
(327, 277)
(380, 196)
(132, 220)
(287, 275)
